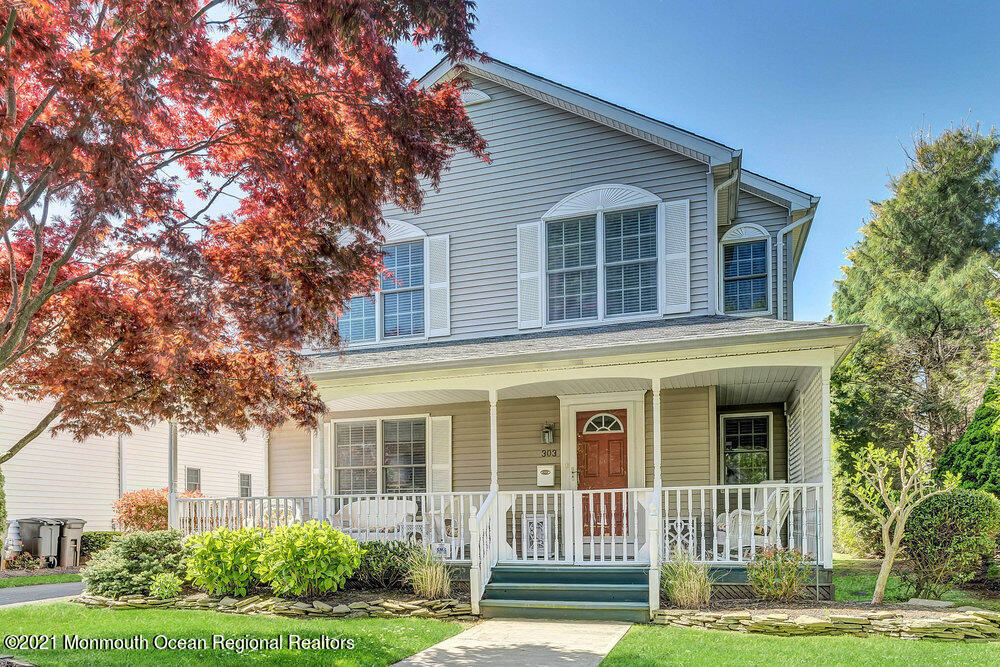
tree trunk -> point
(883, 574)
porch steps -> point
(568, 591)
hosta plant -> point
(223, 561)
(307, 559)
(165, 586)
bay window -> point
(380, 456)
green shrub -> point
(975, 457)
(686, 583)
(947, 536)
(222, 562)
(429, 576)
(129, 565)
(307, 559)
(384, 564)
(93, 541)
(777, 573)
(165, 586)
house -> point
(585, 364)
(56, 476)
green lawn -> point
(854, 580)
(376, 641)
(660, 645)
(8, 582)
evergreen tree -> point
(975, 457)
(920, 277)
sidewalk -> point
(522, 643)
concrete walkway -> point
(525, 643)
(21, 594)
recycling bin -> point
(40, 538)
(69, 541)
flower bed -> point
(449, 608)
(975, 625)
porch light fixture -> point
(548, 433)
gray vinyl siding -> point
(772, 217)
(685, 422)
(540, 154)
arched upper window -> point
(745, 270)
(603, 423)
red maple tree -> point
(176, 178)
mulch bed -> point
(4, 574)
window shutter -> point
(438, 286)
(529, 275)
(676, 256)
(439, 474)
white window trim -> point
(644, 199)
(380, 338)
(239, 484)
(746, 232)
(379, 465)
(722, 445)
(200, 480)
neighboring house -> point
(60, 477)
(607, 304)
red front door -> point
(602, 459)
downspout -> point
(121, 466)
(715, 242)
(781, 258)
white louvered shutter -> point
(438, 286)
(440, 455)
(676, 217)
(529, 275)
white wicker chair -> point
(757, 528)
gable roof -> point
(695, 146)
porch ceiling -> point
(405, 399)
(568, 387)
(744, 386)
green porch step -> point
(590, 592)
(636, 612)
(594, 592)
(571, 574)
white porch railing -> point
(730, 524)
(601, 526)
(439, 521)
(483, 528)
(713, 524)
(196, 515)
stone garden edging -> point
(971, 626)
(263, 604)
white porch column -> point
(321, 473)
(173, 516)
(827, 473)
(494, 467)
(657, 438)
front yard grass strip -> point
(10, 582)
(854, 581)
(376, 641)
(657, 645)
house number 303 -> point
(550, 453)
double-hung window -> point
(602, 265)
(192, 479)
(744, 276)
(380, 456)
(746, 449)
(630, 262)
(571, 248)
(397, 309)
(246, 485)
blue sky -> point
(822, 96)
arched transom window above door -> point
(603, 423)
